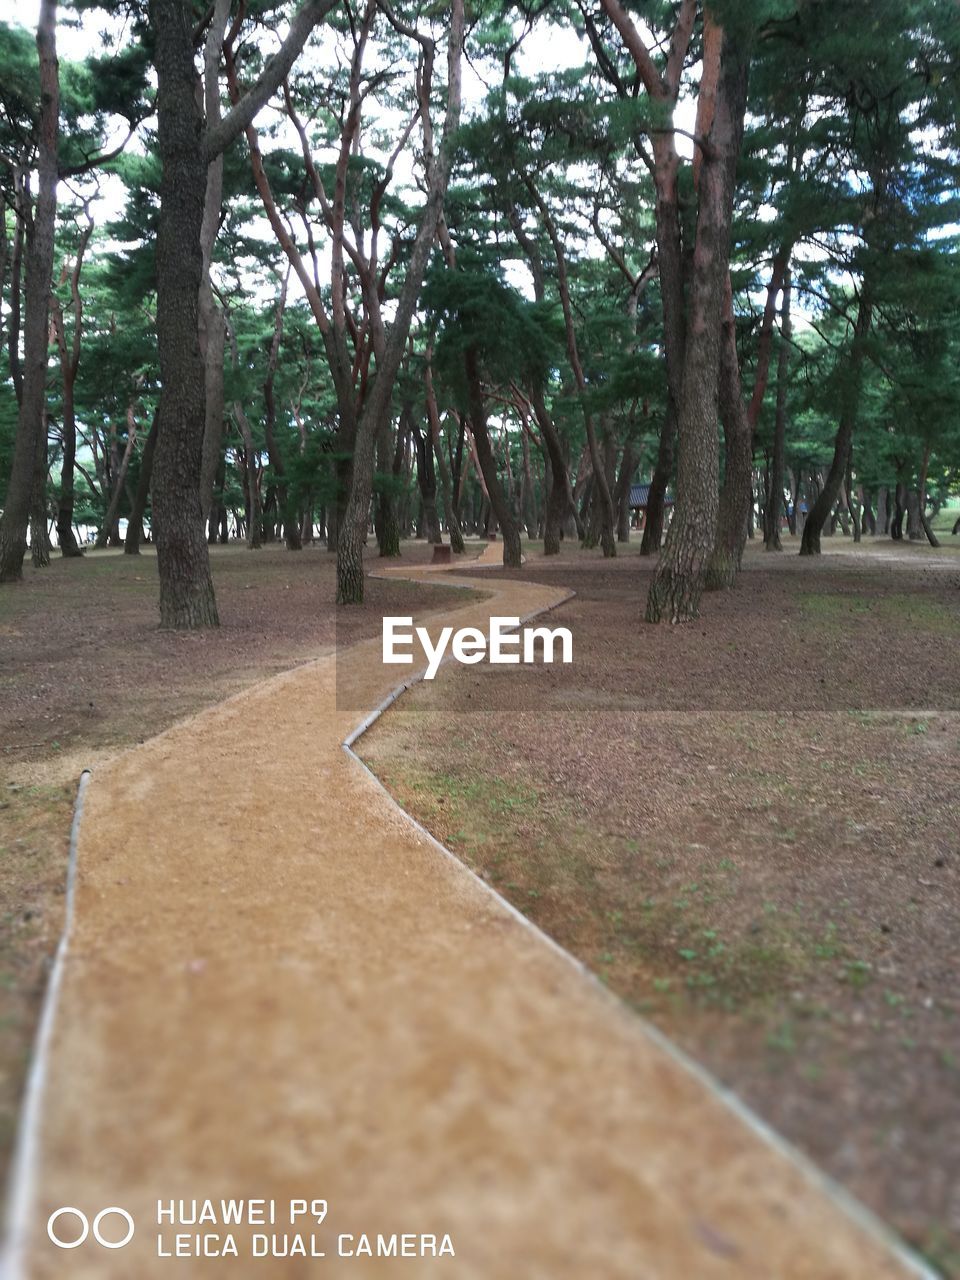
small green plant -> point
(857, 973)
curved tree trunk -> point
(922, 498)
(560, 500)
(605, 510)
(822, 509)
(487, 462)
(110, 519)
(353, 533)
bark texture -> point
(773, 505)
(21, 495)
(186, 587)
(679, 579)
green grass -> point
(946, 517)
(899, 608)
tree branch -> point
(218, 137)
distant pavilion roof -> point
(640, 493)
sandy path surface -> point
(278, 987)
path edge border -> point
(21, 1180)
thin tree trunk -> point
(822, 509)
(652, 540)
(628, 465)
(131, 546)
(388, 525)
(922, 498)
(606, 508)
(433, 417)
(39, 526)
(426, 478)
(109, 519)
(883, 515)
(773, 507)
(69, 365)
(353, 534)
(736, 495)
(254, 521)
(487, 463)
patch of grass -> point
(833, 611)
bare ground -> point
(748, 827)
(85, 672)
(275, 982)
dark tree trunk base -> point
(810, 541)
(674, 596)
(189, 610)
(722, 571)
(512, 555)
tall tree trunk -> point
(426, 477)
(353, 534)
(628, 464)
(69, 365)
(652, 539)
(186, 587)
(31, 420)
(487, 463)
(65, 534)
(922, 498)
(39, 528)
(291, 523)
(773, 507)
(822, 509)
(736, 495)
(387, 523)
(899, 511)
(131, 546)
(883, 515)
(210, 318)
(433, 417)
(914, 525)
(251, 478)
(109, 520)
(561, 500)
(607, 515)
(678, 582)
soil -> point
(85, 672)
(748, 828)
(278, 986)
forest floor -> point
(85, 672)
(277, 984)
(748, 828)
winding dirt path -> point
(277, 986)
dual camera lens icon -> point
(68, 1211)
